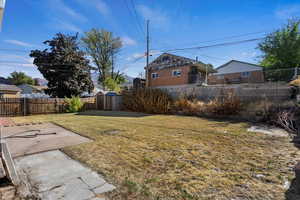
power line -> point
(214, 45)
(227, 37)
(136, 16)
(139, 30)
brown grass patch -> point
(175, 157)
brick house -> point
(171, 70)
(235, 72)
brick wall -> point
(165, 77)
(255, 77)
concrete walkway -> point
(53, 176)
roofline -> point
(239, 62)
(165, 53)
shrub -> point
(265, 110)
(295, 82)
(229, 104)
(73, 104)
(148, 100)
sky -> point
(173, 24)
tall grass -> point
(154, 101)
(228, 104)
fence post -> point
(104, 102)
(24, 106)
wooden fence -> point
(26, 106)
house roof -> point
(166, 60)
(4, 81)
(5, 87)
(239, 62)
(235, 66)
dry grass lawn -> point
(175, 157)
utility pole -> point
(147, 54)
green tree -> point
(18, 78)
(102, 47)
(281, 50)
(114, 84)
(64, 66)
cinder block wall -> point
(246, 94)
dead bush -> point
(229, 104)
(265, 110)
(148, 100)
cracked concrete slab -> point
(30, 139)
(54, 175)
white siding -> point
(237, 67)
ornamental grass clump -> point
(153, 101)
(73, 104)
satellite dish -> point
(2, 5)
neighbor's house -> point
(172, 70)
(9, 91)
(235, 72)
(32, 91)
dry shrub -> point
(229, 104)
(148, 100)
(266, 110)
(295, 82)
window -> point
(154, 75)
(245, 74)
(176, 72)
(1, 95)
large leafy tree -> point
(18, 78)
(281, 51)
(102, 46)
(64, 66)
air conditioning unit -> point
(2, 5)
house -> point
(5, 81)
(173, 70)
(9, 91)
(139, 83)
(32, 91)
(237, 72)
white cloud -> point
(16, 60)
(249, 55)
(127, 41)
(60, 5)
(288, 11)
(102, 7)
(61, 24)
(135, 56)
(18, 43)
(159, 19)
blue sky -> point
(173, 24)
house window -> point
(154, 75)
(245, 74)
(176, 72)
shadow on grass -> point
(292, 193)
(113, 113)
